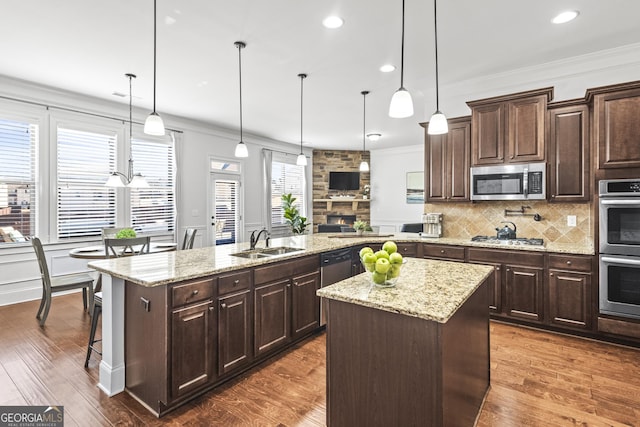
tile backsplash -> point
(465, 220)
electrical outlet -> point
(571, 220)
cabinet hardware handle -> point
(553, 195)
(289, 284)
(508, 269)
(210, 308)
(568, 262)
(550, 274)
(497, 268)
(195, 292)
(442, 251)
(235, 282)
(223, 305)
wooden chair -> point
(114, 248)
(189, 237)
(51, 285)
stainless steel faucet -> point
(253, 240)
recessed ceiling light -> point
(387, 68)
(333, 22)
(373, 137)
(565, 16)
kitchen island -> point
(413, 354)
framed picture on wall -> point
(415, 187)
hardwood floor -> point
(537, 379)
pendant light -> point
(401, 103)
(302, 159)
(118, 179)
(364, 166)
(438, 122)
(241, 148)
(154, 125)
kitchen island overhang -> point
(414, 354)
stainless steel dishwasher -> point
(334, 267)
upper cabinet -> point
(510, 128)
(616, 125)
(447, 162)
(568, 151)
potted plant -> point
(126, 233)
(292, 215)
(361, 226)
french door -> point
(225, 209)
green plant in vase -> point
(361, 226)
(126, 233)
(297, 222)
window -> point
(153, 208)
(18, 142)
(286, 177)
(84, 204)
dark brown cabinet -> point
(192, 348)
(443, 252)
(235, 331)
(509, 129)
(305, 312)
(568, 152)
(616, 126)
(570, 291)
(524, 292)
(271, 319)
(447, 162)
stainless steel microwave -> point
(509, 182)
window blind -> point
(286, 177)
(84, 204)
(18, 142)
(153, 208)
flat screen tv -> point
(344, 180)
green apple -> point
(378, 278)
(394, 271)
(390, 247)
(382, 254)
(395, 258)
(369, 261)
(365, 250)
(382, 265)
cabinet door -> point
(525, 124)
(570, 299)
(523, 293)
(271, 319)
(234, 332)
(192, 353)
(306, 304)
(487, 134)
(457, 160)
(568, 154)
(495, 288)
(435, 161)
(617, 128)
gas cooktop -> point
(515, 242)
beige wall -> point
(465, 220)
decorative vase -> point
(359, 232)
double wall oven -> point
(619, 251)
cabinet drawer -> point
(234, 282)
(512, 257)
(407, 249)
(570, 262)
(188, 293)
(296, 266)
(443, 251)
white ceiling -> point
(87, 47)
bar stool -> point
(95, 317)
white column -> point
(112, 367)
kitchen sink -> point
(279, 250)
(266, 252)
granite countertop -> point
(170, 267)
(427, 289)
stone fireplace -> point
(341, 219)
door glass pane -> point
(623, 284)
(623, 226)
(226, 210)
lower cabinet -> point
(272, 308)
(235, 332)
(570, 291)
(305, 313)
(524, 292)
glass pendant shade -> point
(241, 150)
(154, 125)
(138, 181)
(301, 160)
(438, 124)
(401, 104)
(364, 166)
(114, 181)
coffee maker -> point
(432, 225)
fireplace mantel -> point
(354, 202)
